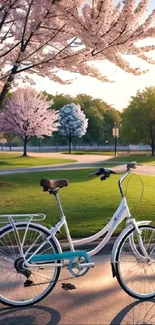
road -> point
(98, 299)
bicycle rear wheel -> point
(19, 287)
(136, 273)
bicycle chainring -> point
(74, 266)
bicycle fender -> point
(18, 223)
(119, 238)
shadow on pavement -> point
(36, 315)
(136, 313)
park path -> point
(98, 299)
(82, 161)
(85, 158)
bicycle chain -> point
(59, 280)
(65, 279)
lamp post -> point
(115, 133)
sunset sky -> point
(118, 92)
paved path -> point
(83, 161)
(98, 299)
(86, 158)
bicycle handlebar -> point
(102, 171)
(106, 171)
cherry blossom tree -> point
(73, 122)
(43, 36)
(26, 114)
(8, 16)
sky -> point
(116, 93)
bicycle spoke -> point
(13, 276)
(137, 275)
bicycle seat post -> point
(63, 219)
(59, 203)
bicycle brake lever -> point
(104, 177)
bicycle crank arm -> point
(84, 265)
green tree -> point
(2, 140)
(101, 118)
(59, 100)
(138, 119)
(94, 109)
(111, 116)
(9, 137)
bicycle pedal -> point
(68, 286)
(28, 283)
(84, 265)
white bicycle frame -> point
(121, 213)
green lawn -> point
(88, 203)
(15, 160)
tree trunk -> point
(70, 144)
(7, 85)
(25, 147)
(3, 94)
(152, 146)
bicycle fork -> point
(141, 244)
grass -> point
(13, 160)
(88, 203)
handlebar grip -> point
(132, 164)
(93, 174)
(97, 172)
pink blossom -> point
(26, 113)
(69, 35)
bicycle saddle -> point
(48, 184)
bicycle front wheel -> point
(19, 286)
(134, 271)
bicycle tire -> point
(13, 291)
(135, 274)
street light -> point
(115, 133)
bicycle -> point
(31, 256)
